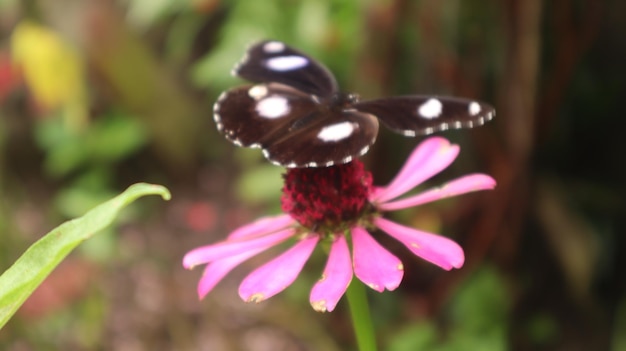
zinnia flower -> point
(339, 205)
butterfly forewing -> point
(421, 115)
(273, 61)
(257, 115)
(330, 138)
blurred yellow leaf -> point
(53, 70)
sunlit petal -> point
(262, 226)
(436, 249)
(335, 279)
(429, 158)
(459, 186)
(215, 271)
(373, 264)
(224, 249)
(276, 275)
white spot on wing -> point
(276, 163)
(337, 132)
(273, 107)
(473, 108)
(273, 47)
(430, 109)
(286, 63)
(244, 60)
(222, 96)
(257, 92)
(216, 115)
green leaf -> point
(21, 279)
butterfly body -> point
(298, 116)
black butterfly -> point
(297, 115)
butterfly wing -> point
(422, 114)
(274, 61)
(331, 138)
(257, 115)
(299, 119)
(291, 127)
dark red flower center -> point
(328, 199)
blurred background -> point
(97, 95)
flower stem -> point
(361, 318)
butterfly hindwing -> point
(425, 114)
(273, 61)
(329, 138)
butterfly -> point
(296, 114)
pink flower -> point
(339, 205)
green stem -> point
(361, 318)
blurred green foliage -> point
(477, 316)
(108, 140)
(310, 23)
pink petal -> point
(373, 264)
(436, 249)
(215, 271)
(376, 192)
(224, 249)
(335, 279)
(276, 275)
(262, 226)
(466, 184)
(429, 158)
